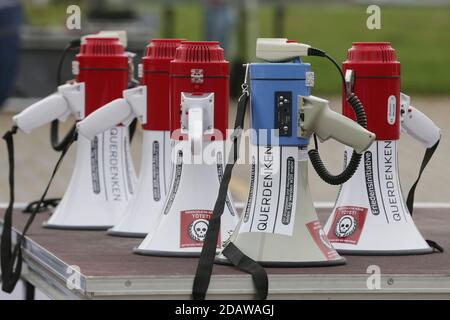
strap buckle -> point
(244, 85)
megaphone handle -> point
(195, 129)
(334, 125)
(137, 99)
(104, 118)
(44, 111)
(420, 127)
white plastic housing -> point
(104, 118)
(279, 225)
(145, 208)
(137, 99)
(320, 119)
(120, 34)
(68, 100)
(370, 216)
(416, 124)
(280, 49)
(41, 112)
(204, 102)
(102, 183)
(197, 118)
(191, 198)
(118, 111)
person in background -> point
(219, 21)
(10, 21)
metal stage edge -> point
(50, 274)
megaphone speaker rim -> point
(294, 264)
(385, 252)
(75, 227)
(125, 234)
(158, 253)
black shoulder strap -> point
(246, 264)
(426, 158)
(240, 260)
(45, 205)
(5, 245)
(11, 260)
(410, 199)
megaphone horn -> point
(370, 216)
(279, 226)
(149, 102)
(103, 178)
(199, 109)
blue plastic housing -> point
(266, 79)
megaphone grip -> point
(196, 129)
(344, 130)
(105, 118)
(355, 159)
(420, 127)
(41, 112)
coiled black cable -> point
(361, 119)
(355, 159)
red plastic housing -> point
(155, 68)
(206, 58)
(377, 85)
(103, 67)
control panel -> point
(283, 112)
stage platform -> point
(109, 270)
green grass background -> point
(420, 34)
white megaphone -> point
(199, 116)
(150, 104)
(279, 225)
(103, 178)
(370, 216)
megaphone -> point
(198, 122)
(370, 215)
(103, 178)
(279, 226)
(149, 102)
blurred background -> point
(33, 34)
(419, 33)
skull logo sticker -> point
(197, 229)
(345, 226)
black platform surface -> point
(101, 256)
